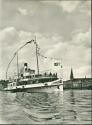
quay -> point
(77, 83)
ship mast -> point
(37, 56)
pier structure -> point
(77, 83)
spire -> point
(71, 75)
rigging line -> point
(9, 64)
(49, 57)
(25, 45)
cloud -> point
(25, 36)
(52, 28)
(76, 52)
(82, 38)
(23, 11)
(86, 7)
(9, 41)
(26, 12)
(69, 6)
(83, 71)
(8, 36)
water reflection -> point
(73, 102)
(41, 107)
(69, 107)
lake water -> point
(69, 107)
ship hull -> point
(48, 89)
(37, 88)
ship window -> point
(27, 76)
(58, 87)
(13, 84)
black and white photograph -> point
(45, 62)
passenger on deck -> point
(50, 74)
(45, 74)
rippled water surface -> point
(69, 107)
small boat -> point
(29, 81)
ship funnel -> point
(25, 66)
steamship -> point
(30, 81)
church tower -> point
(71, 75)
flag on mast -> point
(58, 63)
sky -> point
(62, 30)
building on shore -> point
(78, 83)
